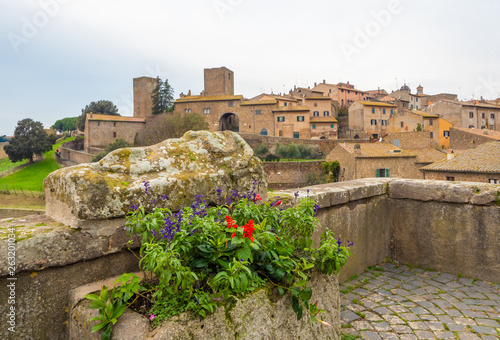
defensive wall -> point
(287, 175)
(459, 234)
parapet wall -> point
(451, 227)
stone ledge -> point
(446, 192)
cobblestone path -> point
(391, 302)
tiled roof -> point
(318, 98)
(188, 99)
(112, 118)
(427, 155)
(258, 102)
(323, 120)
(376, 104)
(291, 108)
(484, 158)
(375, 150)
(424, 114)
(492, 134)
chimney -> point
(324, 81)
(450, 155)
(315, 84)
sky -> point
(56, 56)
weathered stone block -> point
(196, 164)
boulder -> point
(197, 164)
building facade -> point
(370, 117)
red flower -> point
(257, 198)
(275, 204)
(249, 229)
(230, 222)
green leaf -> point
(223, 264)
(281, 290)
(200, 263)
(100, 326)
(106, 334)
(300, 283)
(92, 297)
(119, 311)
(305, 294)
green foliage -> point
(331, 169)
(261, 149)
(65, 124)
(3, 139)
(419, 127)
(102, 107)
(296, 151)
(172, 125)
(117, 144)
(162, 97)
(30, 139)
(112, 304)
(314, 178)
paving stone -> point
(449, 297)
(424, 335)
(468, 336)
(477, 295)
(369, 304)
(382, 310)
(388, 303)
(430, 297)
(428, 317)
(444, 318)
(495, 316)
(408, 304)
(347, 316)
(464, 321)
(431, 289)
(399, 309)
(372, 317)
(401, 292)
(459, 295)
(369, 335)
(387, 286)
(383, 292)
(397, 298)
(442, 303)
(408, 337)
(418, 325)
(409, 316)
(356, 308)
(460, 305)
(454, 284)
(484, 308)
(484, 330)
(435, 326)
(444, 278)
(408, 286)
(416, 298)
(435, 310)
(400, 329)
(489, 337)
(425, 304)
(361, 291)
(456, 328)
(453, 312)
(419, 310)
(471, 314)
(350, 331)
(444, 335)
(388, 336)
(381, 326)
(394, 320)
(394, 282)
(487, 322)
(492, 296)
(361, 325)
(376, 297)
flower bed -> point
(202, 258)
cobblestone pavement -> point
(391, 302)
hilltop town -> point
(371, 133)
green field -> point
(6, 164)
(32, 176)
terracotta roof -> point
(485, 159)
(477, 103)
(492, 134)
(323, 120)
(375, 150)
(318, 98)
(112, 118)
(188, 99)
(376, 104)
(291, 108)
(258, 102)
(424, 114)
(427, 155)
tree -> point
(102, 107)
(170, 126)
(3, 139)
(65, 124)
(163, 97)
(29, 139)
(117, 144)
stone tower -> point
(219, 81)
(143, 86)
(420, 89)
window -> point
(431, 134)
(417, 107)
(187, 110)
(402, 124)
(281, 118)
(263, 132)
(316, 113)
(373, 110)
(405, 104)
(494, 181)
(114, 123)
(373, 122)
(482, 115)
(206, 110)
(431, 122)
(412, 106)
(286, 103)
(229, 76)
(395, 142)
(326, 113)
(382, 172)
(492, 116)
(332, 126)
(446, 134)
(258, 112)
(348, 91)
(341, 90)
(114, 134)
(383, 111)
(392, 111)
(450, 178)
(300, 118)
(314, 126)
(471, 114)
(384, 122)
(296, 135)
(416, 99)
(315, 104)
(280, 133)
(330, 91)
(230, 104)
(98, 123)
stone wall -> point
(14, 213)
(75, 156)
(461, 176)
(410, 140)
(464, 140)
(285, 175)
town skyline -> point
(61, 55)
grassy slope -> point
(6, 164)
(31, 177)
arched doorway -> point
(229, 121)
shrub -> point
(261, 149)
(117, 144)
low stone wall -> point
(14, 213)
(75, 156)
(287, 175)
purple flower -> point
(197, 302)
(164, 197)
(147, 186)
(349, 243)
(296, 194)
(316, 209)
(134, 207)
(219, 192)
(339, 242)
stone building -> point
(370, 117)
(413, 120)
(143, 103)
(472, 114)
(419, 101)
(481, 164)
(465, 139)
(366, 160)
(343, 93)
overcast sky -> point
(56, 56)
